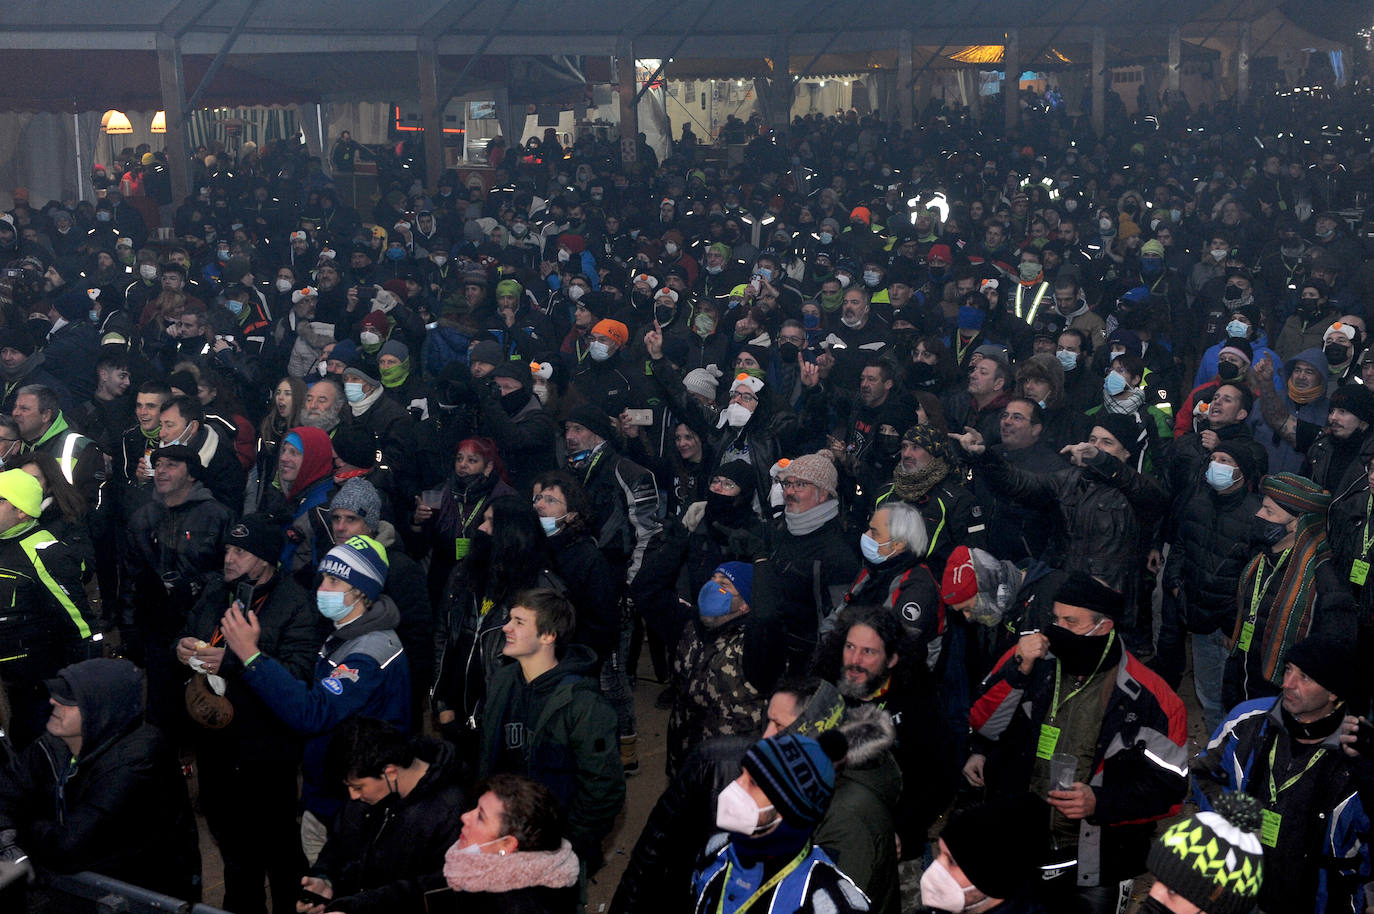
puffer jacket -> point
(120, 807)
(377, 854)
(1108, 509)
(904, 585)
(568, 742)
(658, 876)
(360, 671)
(857, 830)
(1210, 550)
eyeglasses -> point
(724, 482)
(547, 499)
(743, 396)
(795, 484)
(1015, 417)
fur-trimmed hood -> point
(870, 733)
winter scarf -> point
(1290, 616)
(811, 520)
(497, 873)
(910, 486)
(1125, 405)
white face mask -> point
(477, 848)
(439, 260)
(148, 271)
(564, 256)
(736, 811)
(670, 249)
(283, 285)
(576, 292)
(369, 338)
(940, 890)
(853, 323)
(599, 350)
(735, 415)
(872, 278)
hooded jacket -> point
(858, 828)
(119, 807)
(714, 698)
(377, 853)
(567, 737)
(360, 671)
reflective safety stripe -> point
(41, 539)
(65, 461)
(1040, 293)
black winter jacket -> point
(1210, 550)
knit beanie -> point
(1083, 590)
(1355, 399)
(593, 420)
(1239, 346)
(930, 440)
(703, 382)
(355, 445)
(394, 348)
(1295, 494)
(365, 371)
(741, 574)
(797, 773)
(613, 329)
(72, 304)
(23, 491)
(817, 469)
(361, 562)
(488, 351)
(1124, 428)
(741, 473)
(960, 581)
(259, 535)
(1333, 662)
(1214, 858)
(508, 287)
(1001, 844)
(360, 497)
(1244, 458)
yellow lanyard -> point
(1260, 588)
(960, 350)
(1054, 705)
(1366, 537)
(763, 889)
(1275, 790)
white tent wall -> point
(38, 151)
(368, 122)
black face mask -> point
(664, 314)
(788, 352)
(1232, 293)
(1228, 371)
(1336, 354)
(515, 401)
(640, 299)
(1080, 654)
(887, 445)
(922, 375)
(1266, 533)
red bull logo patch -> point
(334, 681)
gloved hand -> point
(746, 545)
(11, 853)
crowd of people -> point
(924, 464)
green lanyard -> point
(1262, 584)
(1276, 789)
(1367, 538)
(763, 889)
(595, 460)
(1054, 705)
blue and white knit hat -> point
(361, 562)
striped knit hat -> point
(797, 773)
(1295, 494)
(361, 562)
(1214, 859)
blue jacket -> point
(1207, 367)
(360, 671)
(1320, 857)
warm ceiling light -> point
(159, 122)
(116, 122)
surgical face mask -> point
(736, 811)
(941, 891)
(1238, 328)
(869, 546)
(872, 278)
(477, 848)
(599, 351)
(575, 292)
(843, 279)
(704, 324)
(235, 307)
(395, 253)
(331, 604)
(148, 271)
(94, 315)
(1068, 359)
(1114, 384)
(283, 285)
(103, 215)
(671, 249)
(1220, 476)
(764, 273)
(1218, 256)
(827, 237)
(1105, 225)
(715, 269)
(353, 390)
(1028, 270)
(369, 338)
(853, 322)
(550, 524)
(564, 256)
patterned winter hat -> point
(1214, 859)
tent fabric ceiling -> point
(61, 57)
